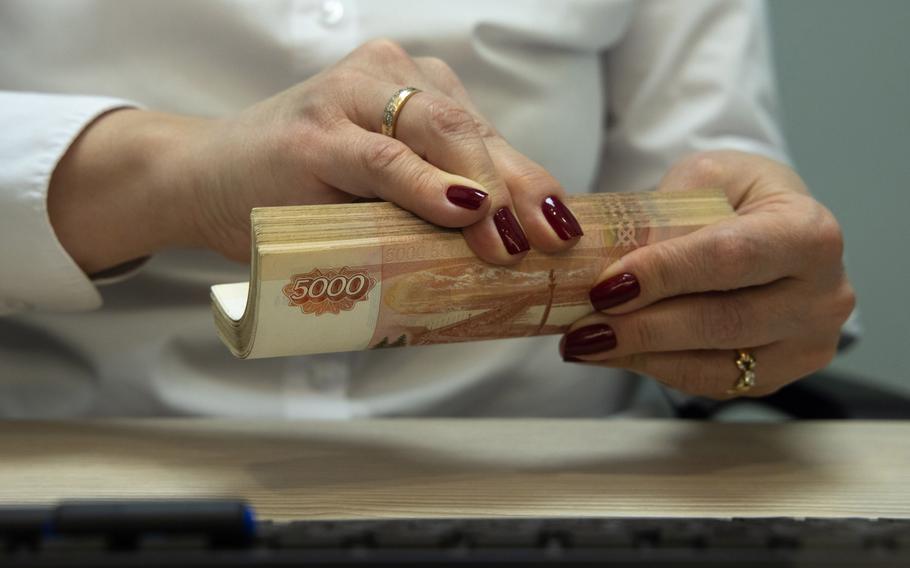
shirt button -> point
(332, 12)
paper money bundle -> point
(329, 278)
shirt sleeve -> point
(35, 270)
(688, 76)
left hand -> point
(770, 281)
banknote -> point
(390, 280)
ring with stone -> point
(393, 108)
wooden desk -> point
(433, 468)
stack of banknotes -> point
(331, 278)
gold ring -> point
(393, 107)
(746, 363)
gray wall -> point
(844, 77)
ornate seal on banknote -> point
(328, 290)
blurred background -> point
(844, 79)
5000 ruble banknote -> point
(370, 275)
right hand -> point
(319, 142)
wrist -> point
(170, 150)
(119, 193)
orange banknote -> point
(416, 285)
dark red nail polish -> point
(564, 224)
(589, 340)
(466, 197)
(614, 291)
(510, 231)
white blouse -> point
(606, 94)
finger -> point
(539, 199)
(735, 253)
(447, 135)
(452, 138)
(726, 320)
(443, 126)
(713, 373)
(368, 164)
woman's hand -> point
(317, 142)
(769, 281)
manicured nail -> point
(510, 231)
(614, 291)
(589, 340)
(564, 224)
(466, 197)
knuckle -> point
(844, 301)
(383, 155)
(829, 239)
(667, 263)
(704, 167)
(722, 323)
(386, 48)
(829, 309)
(487, 132)
(423, 181)
(440, 69)
(731, 258)
(450, 120)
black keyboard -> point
(205, 539)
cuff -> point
(36, 272)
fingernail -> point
(614, 291)
(510, 231)
(564, 224)
(589, 340)
(466, 197)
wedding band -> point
(746, 363)
(393, 107)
